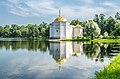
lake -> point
(20, 59)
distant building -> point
(61, 29)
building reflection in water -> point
(62, 51)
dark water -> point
(53, 60)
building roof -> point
(77, 54)
(78, 25)
(60, 19)
(60, 61)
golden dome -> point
(61, 60)
(77, 54)
(78, 25)
(60, 19)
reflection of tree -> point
(29, 45)
(43, 46)
(99, 51)
(7, 44)
(91, 50)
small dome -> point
(60, 61)
(78, 25)
(77, 54)
(60, 19)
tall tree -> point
(6, 31)
(101, 21)
(110, 25)
(75, 22)
(116, 32)
(117, 16)
(96, 18)
(92, 29)
(1, 31)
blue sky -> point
(23, 12)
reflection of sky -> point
(24, 64)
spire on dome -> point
(60, 18)
(59, 12)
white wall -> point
(77, 32)
(55, 30)
(64, 30)
(69, 31)
(81, 32)
(51, 33)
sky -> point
(24, 12)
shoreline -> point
(58, 40)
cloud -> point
(111, 8)
(31, 8)
(88, 1)
(82, 12)
(47, 8)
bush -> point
(117, 37)
(112, 71)
(109, 37)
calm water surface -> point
(53, 60)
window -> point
(56, 30)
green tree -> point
(105, 34)
(96, 18)
(116, 32)
(17, 33)
(1, 31)
(110, 25)
(92, 29)
(6, 31)
(75, 22)
(117, 16)
(24, 31)
(14, 28)
(33, 30)
(44, 29)
(101, 21)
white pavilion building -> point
(61, 29)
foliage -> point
(108, 40)
(112, 71)
(105, 34)
(75, 22)
(92, 29)
(110, 25)
(117, 16)
(29, 31)
(106, 24)
(116, 32)
(101, 21)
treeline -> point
(28, 31)
(100, 26)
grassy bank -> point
(73, 39)
(95, 40)
(112, 71)
(107, 40)
(76, 40)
